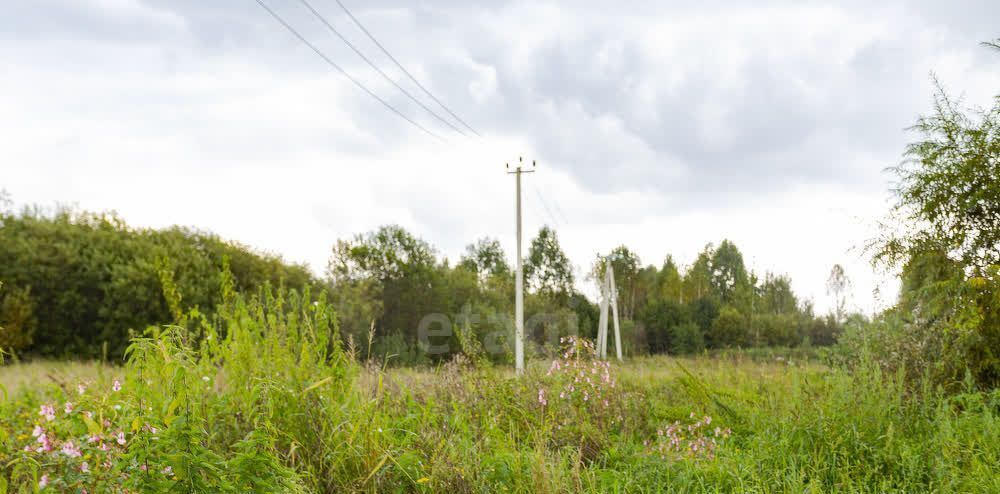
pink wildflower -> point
(541, 397)
(120, 438)
(48, 412)
(44, 481)
(46, 445)
(69, 449)
(37, 431)
(68, 407)
(81, 388)
(116, 385)
(84, 467)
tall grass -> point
(263, 398)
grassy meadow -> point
(269, 401)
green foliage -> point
(729, 275)
(281, 411)
(487, 259)
(92, 278)
(392, 279)
(686, 338)
(17, 319)
(775, 330)
(948, 195)
(546, 268)
(728, 329)
(776, 296)
(948, 245)
(392, 282)
(659, 317)
(944, 328)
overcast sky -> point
(659, 125)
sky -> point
(659, 125)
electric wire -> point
(341, 70)
(403, 69)
(372, 65)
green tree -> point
(729, 274)
(776, 296)
(698, 279)
(686, 338)
(728, 329)
(547, 269)
(408, 284)
(948, 244)
(670, 281)
(948, 192)
(486, 258)
(659, 318)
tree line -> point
(386, 281)
(79, 284)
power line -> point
(341, 70)
(548, 212)
(555, 204)
(372, 65)
(407, 72)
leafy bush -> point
(728, 329)
(941, 333)
(659, 317)
(945, 240)
(17, 319)
(776, 329)
(92, 279)
(686, 338)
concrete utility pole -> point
(519, 275)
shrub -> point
(17, 320)
(728, 329)
(658, 317)
(775, 330)
(686, 338)
(94, 280)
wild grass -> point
(19, 376)
(266, 400)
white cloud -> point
(662, 127)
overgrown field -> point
(269, 401)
